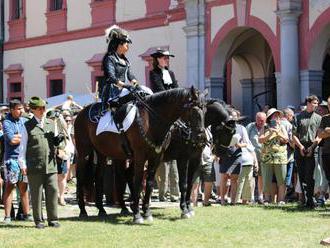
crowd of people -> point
(37, 158)
(280, 157)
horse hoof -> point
(149, 218)
(138, 220)
(83, 215)
(185, 215)
(102, 214)
(191, 213)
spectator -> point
(248, 163)
(287, 121)
(69, 104)
(305, 129)
(254, 129)
(37, 160)
(1, 164)
(62, 155)
(324, 134)
(274, 141)
(13, 126)
(205, 173)
(230, 162)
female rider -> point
(115, 65)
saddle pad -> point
(107, 124)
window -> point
(56, 87)
(17, 9)
(15, 87)
(17, 20)
(56, 5)
(15, 82)
(56, 16)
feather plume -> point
(109, 34)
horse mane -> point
(167, 96)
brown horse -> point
(148, 137)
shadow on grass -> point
(294, 208)
(14, 225)
(119, 219)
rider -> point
(161, 78)
(115, 65)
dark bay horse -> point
(148, 138)
(188, 152)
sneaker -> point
(320, 202)
(40, 225)
(325, 241)
(20, 216)
(162, 199)
(27, 217)
(174, 199)
(281, 203)
(54, 224)
(7, 221)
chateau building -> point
(247, 52)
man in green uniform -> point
(37, 161)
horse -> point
(187, 151)
(148, 137)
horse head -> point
(193, 129)
(222, 127)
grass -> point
(232, 226)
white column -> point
(195, 31)
(288, 12)
(215, 86)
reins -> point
(166, 141)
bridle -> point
(222, 127)
(185, 127)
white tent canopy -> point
(81, 99)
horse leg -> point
(120, 179)
(183, 170)
(192, 167)
(149, 188)
(138, 177)
(101, 160)
(80, 173)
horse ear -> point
(194, 93)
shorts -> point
(62, 166)
(234, 169)
(205, 173)
(12, 172)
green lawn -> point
(238, 226)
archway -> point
(326, 77)
(243, 71)
(318, 72)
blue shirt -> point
(11, 127)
